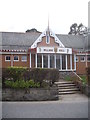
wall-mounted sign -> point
(54, 50)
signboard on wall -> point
(54, 50)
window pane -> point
(16, 58)
(24, 58)
(82, 58)
(8, 58)
(63, 62)
(88, 58)
(47, 39)
(39, 60)
(52, 61)
(45, 61)
(58, 61)
(77, 59)
(68, 61)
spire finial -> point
(48, 21)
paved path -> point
(71, 106)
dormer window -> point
(47, 37)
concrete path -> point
(73, 98)
(70, 106)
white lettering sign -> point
(54, 50)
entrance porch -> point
(63, 62)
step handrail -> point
(77, 75)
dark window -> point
(77, 59)
(16, 58)
(88, 58)
(7, 58)
(82, 58)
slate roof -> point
(12, 40)
(16, 41)
(78, 42)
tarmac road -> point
(73, 106)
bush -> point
(24, 75)
(13, 73)
(22, 84)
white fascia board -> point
(56, 39)
(82, 54)
(12, 53)
(34, 45)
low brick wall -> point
(63, 74)
(32, 94)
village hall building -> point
(45, 50)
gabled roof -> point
(16, 41)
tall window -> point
(47, 37)
(58, 61)
(45, 61)
(63, 62)
(39, 60)
(52, 65)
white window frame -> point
(22, 59)
(87, 58)
(8, 60)
(16, 60)
(77, 59)
(82, 60)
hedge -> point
(88, 75)
(38, 75)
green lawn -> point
(83, 77)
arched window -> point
(47, 37)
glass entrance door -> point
(58, 61)
(45, 61)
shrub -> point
(24, 75)
(12, 73)
(22, 84)
(54, 75)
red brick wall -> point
(5, 63)
(80, 67)
(21, 63)
(43, 42)
(15, 63)
(33, 60)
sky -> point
(20, 15)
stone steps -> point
(66, 87)
(69, 92)
(69, 89)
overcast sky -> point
(20, 15)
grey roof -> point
(14, 40)
(78, 42)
